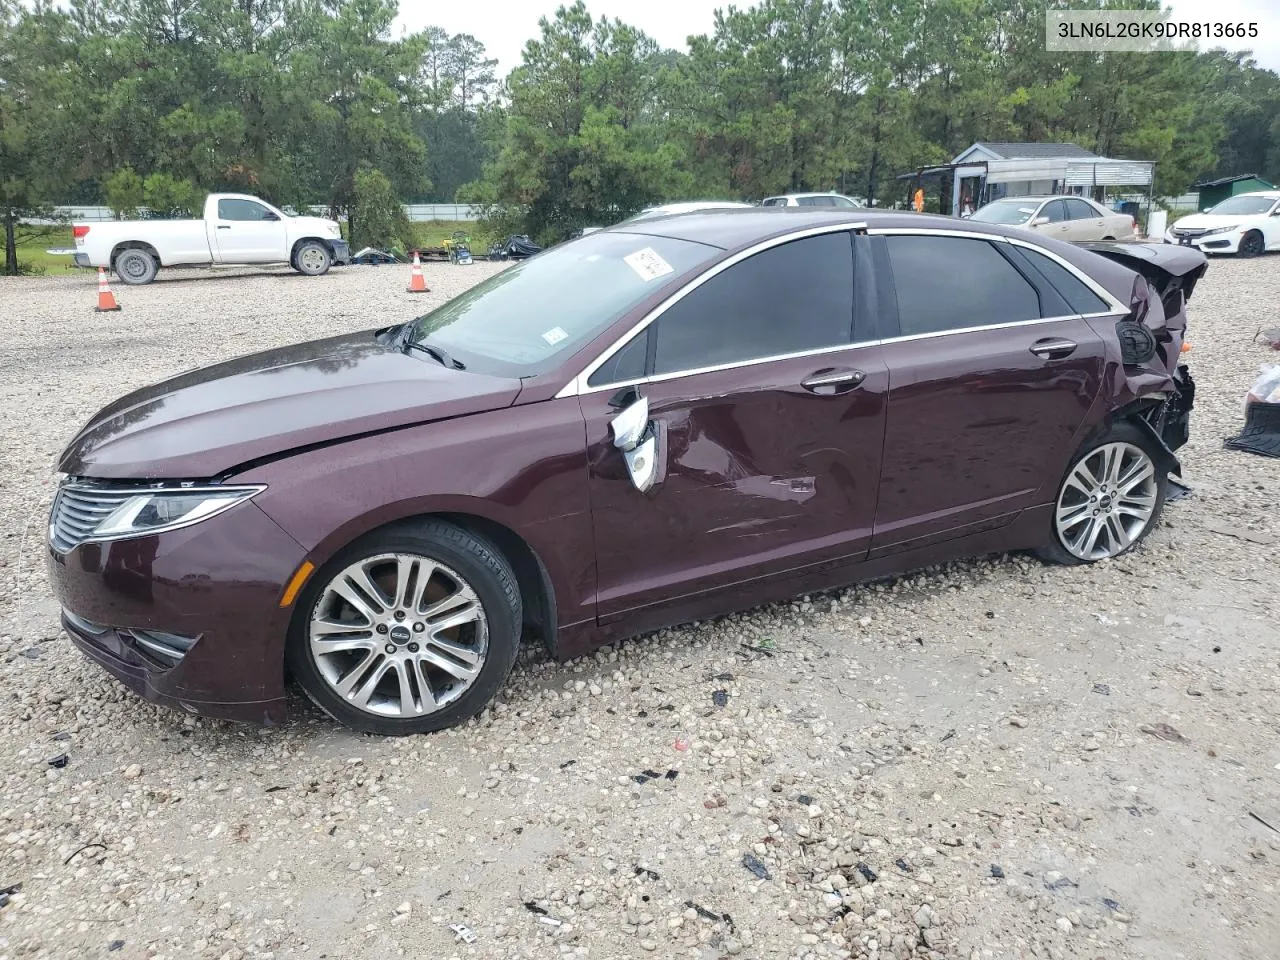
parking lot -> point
(1004, 759)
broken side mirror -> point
(638, 439)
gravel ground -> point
(996, 759)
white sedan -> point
(1246, 224)
(1061, 217)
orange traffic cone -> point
(106, 299)
(417, 282)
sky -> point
(503, 26)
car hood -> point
(1205, 221)
(203, 423)
(319, 225)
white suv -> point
(810, 200)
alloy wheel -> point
(1106, 502)
(398, 635)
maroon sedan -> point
(666, 420)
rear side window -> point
(230, 209)
(788, 299)
(953, 283)
(775, 202)
(1079, 210)
(1078, 296)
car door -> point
(1085, 222)
(993, 370)
(1057, 226)
(1271, 228)
(246, 231)
(765, 420)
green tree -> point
(378, 213)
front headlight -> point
(156, 511)
(1216, 230)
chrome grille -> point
(78, 510)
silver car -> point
(1059, 217)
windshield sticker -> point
(648, 265)
(555, 335)
(1026, 209)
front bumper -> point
(213, 588)
(1211, 243)
(341, 251)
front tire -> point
(135, 267)
(1251, 244)
(312, 258)
(408, 630)
(1109, 499)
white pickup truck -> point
(236, 229)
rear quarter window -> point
(1072, 289)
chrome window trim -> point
(578, 385)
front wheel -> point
(312, 258)
(1251, 244)
(407, 631)
(1109, 500)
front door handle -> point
(1053, 348)
(223, 226)
(833, 381)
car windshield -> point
(1243, 206)
(1005, 211)
(525, 319)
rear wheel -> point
(1109, 500)
(136, 267)
(312, 258)
(1251, 244)
(407, 631)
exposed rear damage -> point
(1152, 387)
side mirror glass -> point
(1039, 221)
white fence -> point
(417, 212)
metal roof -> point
(1036, 151)
(1223, 181)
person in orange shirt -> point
(917, 202)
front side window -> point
(954, 283)
(232, 209)
(1055, 210)
(791, 298)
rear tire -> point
(135, 267)
(1109, 499)
(1251, 244)
(312, 258)
(397, 669)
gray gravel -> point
(996, 759)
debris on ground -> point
(866, 871)
(1163, 731)
(463, 933)
(756, 866)
(1263, 822)
(720, 698)
(647, 873)
(534, 908)
(1102, 688)
(997, 871)
(60, 761)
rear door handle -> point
(1054, 348)
(833, 381)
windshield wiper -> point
(439, 353)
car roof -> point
(1268, 194)
(820, 193)
(731, 229)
